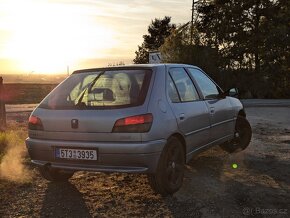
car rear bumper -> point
(112, 156)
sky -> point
(49, 36)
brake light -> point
(34, 123)
(140, 123)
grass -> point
(3, 143)
(11, 138)
(13, 156)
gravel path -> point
(259, 187)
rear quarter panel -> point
(164, 122)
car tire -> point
(243, 135)
(55, 175)
(170, 170)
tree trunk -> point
(257, 37)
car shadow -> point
(212, 188)
(278, 170)
(63, 200)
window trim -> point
(180, 101)
(179, 98)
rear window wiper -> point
(80, 103)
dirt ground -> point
(258, 187)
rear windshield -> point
(101, 89)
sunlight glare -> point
(48, 37)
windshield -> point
(101, 89)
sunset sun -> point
(46, 38)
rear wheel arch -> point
(181, 139)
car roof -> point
(132, 67)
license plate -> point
(76, 154)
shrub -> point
(3, 143)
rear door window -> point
(104, 89)
(182, 82)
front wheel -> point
(55, 175)
(170, 170)
(242, 138)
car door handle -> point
(212, 111)
(181, 116)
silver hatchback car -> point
(136, 119)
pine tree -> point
(158, 30)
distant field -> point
(17, 93)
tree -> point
(275, 52)
(241, 43)
(179, 48)
(252, 39)
(158, 30)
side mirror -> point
(233, 92)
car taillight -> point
(136, 124)
(34, 123)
